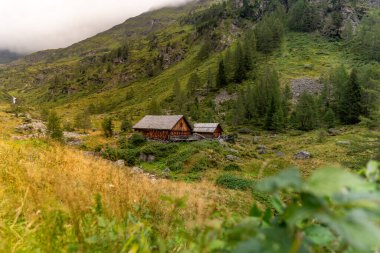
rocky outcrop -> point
(302, 85)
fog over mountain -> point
(27, 26)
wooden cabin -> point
(164, 127)
(208, 130)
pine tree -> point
(240, 70)
(306, 116)
(54, 128)
(329, 118)
(229, 65)
(334, 91)
(221, 80)
(264, 37)
(351, 104)
(275, 116)
(286, 103)
(107, 126)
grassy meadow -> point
(58, 199)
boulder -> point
(137, 170)
(333, 132)
(120, 163)
(261, 149)
(166, 172)
(256, 140)
(151, 158)
(147, 158)
(302, 155)
(232, 158)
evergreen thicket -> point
(367, 42)
(263, 103)
(303, 17)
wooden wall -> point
(182, 128)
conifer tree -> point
(351, 103)
(221, 80)
(240, 70)
(329, 118)
(54, 128)
(286, 103)
(229, 65)
(306, 117)
(107, 126)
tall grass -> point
(55, 199)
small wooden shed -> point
(164, 127)
(208, 130)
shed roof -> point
(205, 127)
(161, 122)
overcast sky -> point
(31, 25)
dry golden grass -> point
(36, 176)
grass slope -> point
(77, 202)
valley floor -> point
(52, 191)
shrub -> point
(136, 140)
(131, 157)
(201, 165)
(110, 154)
(54, 128)
(234, 182)
(107, 126)
(232, 167)
(125, 126)
(160, 150)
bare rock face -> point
(373, 3)
(302, 85)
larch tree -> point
(221, 80)
(351, 103)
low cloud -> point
(27, 26)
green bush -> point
(110, 154)
(131, 157)
(234, 182)
(201, 165)
(159, 150)
(136, 140)
(176, 161)
(232, 167)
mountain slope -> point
(122, 70)
(6, 56)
